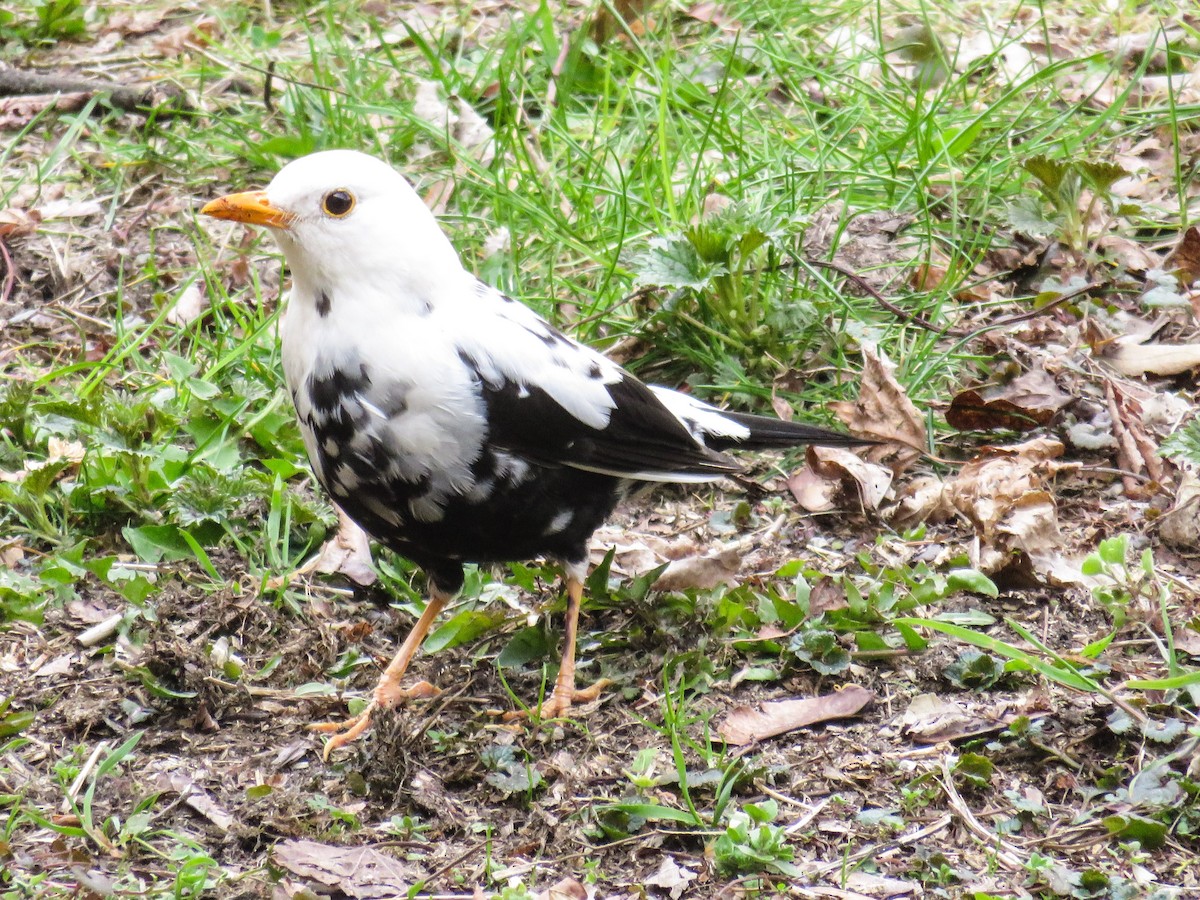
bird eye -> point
(338, 203)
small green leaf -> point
(1147, 832)
(1049, 172)
(1024, 218)
(974, 670)
(821, 650)
(970, 580)
(1112, 550)
(156, 543)
(673, 262)
(527, 645)
(975, 769)
(1163, 732)
(466, 626)
(1101, 176)
(957, 139)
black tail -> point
(767, 432)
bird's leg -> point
(388, 691)
(565, 693)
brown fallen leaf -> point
(1129, 254)
(1029, 401)
(671, 877)
(931, 719)
(814, 493)
(989, 485)
(701, 572)
(195, 797)
(190, 306)
(1184, 260)
(1132, 358)
(883, 411)
(347, 553)
(628, 14)
(1137, 451)
(359, 872)
(745, 725)
(834, 471)
(923, 499)
(1181, 524)
(565, 889)
(877, 887)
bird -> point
(451, 421)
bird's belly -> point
(548, 512)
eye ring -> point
(338, 203)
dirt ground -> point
(445, 794)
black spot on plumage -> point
(324, 304)
(594, 371)
(332, 393)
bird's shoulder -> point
(558, 402)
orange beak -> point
(250, 207)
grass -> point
(668, 195)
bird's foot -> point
(559, 703)
(387, 694)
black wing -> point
(642, 439)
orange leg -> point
(565, 693)
(388, 691)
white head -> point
(347, 221)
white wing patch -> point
(509, 342)
(699, 418)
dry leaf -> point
(566, 889)
(1136, 450)
(849, 473)
(930, 719)
(359, 872)
(1132, 358)
(629, 15)
(347, 553)
(745, 725)
(883, 411)
(1130, 254)
(133, 23)
(713, 14)
(70, 209)
(986, 488)
(1027, 402)
(814, 493)
(923, 499)
(1184, 260)
(12, 554)
(190, 306)
(701, 572)
(196, 797)
(671, 877)
(868, 885)
(193, 36)
(16, 222)
(1181, 524)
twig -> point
(77, 784)
(163, 97)
(862, 285)
(874, 850)
(920, 320)
(101, 631)
(267, 83)
(10, 273)
(1006, 853)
